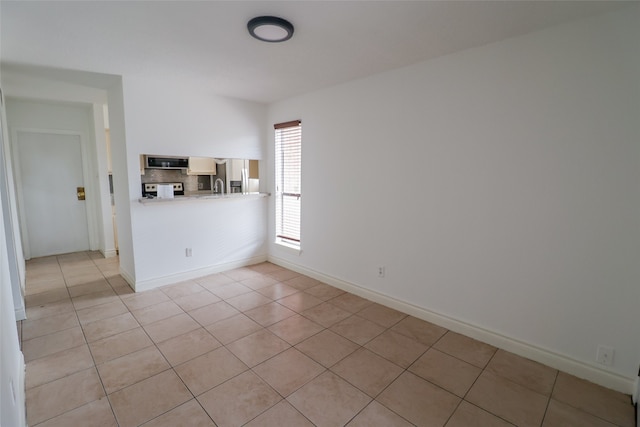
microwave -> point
(166, 162)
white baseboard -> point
(21, 313)
(144, 285)
(547, 357)
(110, 253)
(128, 278)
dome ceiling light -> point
(270, 29)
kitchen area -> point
(167, 177)
(212, 200)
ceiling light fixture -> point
(270, 29)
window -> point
(288, 174)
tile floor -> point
(265, 346)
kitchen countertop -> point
(204, 195)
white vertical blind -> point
(288, 177)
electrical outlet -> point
(381, 271)
(604, 355)
(188, 252)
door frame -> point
(91, 199)
(15, 261)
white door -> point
(50, 172)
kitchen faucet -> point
(215, 186)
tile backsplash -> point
(190, 182)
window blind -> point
(288, 138)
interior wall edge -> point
(145, 285)
(129, 278)
(22, 389)
(109, 253)
(545, 356)
(21, 313)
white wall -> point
(166, 117)
(16, 262)
(12, 412)
(499, 187)
(54, 87)
(31, 114)
(12, 397)
(121, 180)
(41, 83)
(179, 118)
(106, 236)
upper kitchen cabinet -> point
(201, 166)
(143, 164)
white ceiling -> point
(207, 41)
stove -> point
(151, 188)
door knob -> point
(80, 193)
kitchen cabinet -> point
(142, 164)
(201, 166)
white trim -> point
(92, 197)
(22, 220)
(128, 278)
(109, 253)
(545, 356)
(21, 313)
(104, 215)
(288, 247)
(145, 285)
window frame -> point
(288, 183)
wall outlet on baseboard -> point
(381, 271)
(188, 252)
(604, 355)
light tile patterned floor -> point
(265, 346)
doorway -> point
(50, 174)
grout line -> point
(546, 407)
(455, 410)
(386, 329)
(95, 365)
